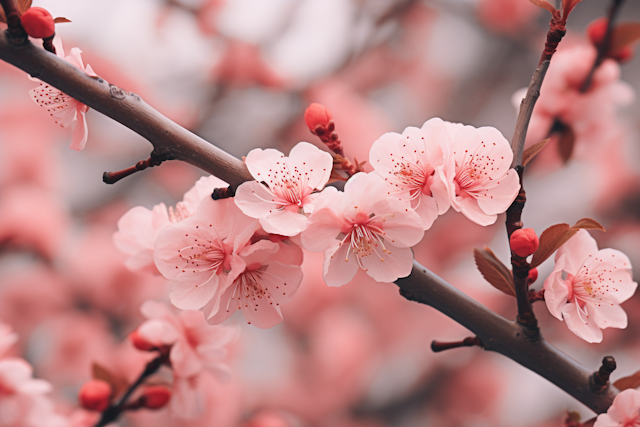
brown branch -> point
(168, 138)
(17, 35)
(496, 333)
(438, 346)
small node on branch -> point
(599, 380)
(536, 296)
(113, 177)
(223, 193)
(17, 35)
(438, 346)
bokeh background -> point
(240, 73)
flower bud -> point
(95, 395)
(140, 343)
(38, 23)
(533, 276)
(155, 397)
(318, 119)
(597, 30)
(524, 242)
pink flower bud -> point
(533, 276)
(524, 242)
(318, 119)
(95, 395)
(140, 343)
(596, 30)
(155, 396)
(38, 23)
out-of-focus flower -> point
(95, 395)
(596, 32)
(481, 183)
(507, 16)
(362, 223)
(139, 227)
(259, 290)
(283, 204)
(200, 253)
(524, 242)
(7, 338)
(64, 109)
(318, 119)
(597, 282)
(38, 23)
(412, 164)
(624, 412)
(155, 397)
(195, 346)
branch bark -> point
(172, 141)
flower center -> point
(472, 173)
(366, 238)
(206, 254)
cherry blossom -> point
(413, 165)
(364, 226)
(199, 252)
(64, 109)
(195, 347)
(265, 283)
(597, 281)
(7, 338)
(139, 227)
(481, 183)
(624, 412)
(283, 203)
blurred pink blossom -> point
(624, 412)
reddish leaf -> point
(566, 143)
(624, 35)
(567, 7)
(23, 5)
(632, 381)
(545, 5)
(60, 20)
(532, 151)
(494, 271)
(557, 235)
(118, 384)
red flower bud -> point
(533, 276)
(95, 395)
(524, 242)
(597, 29)
(140, 343)
(318, 119)
(38, 23)
(155, 396)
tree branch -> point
(496, 333)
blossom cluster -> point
(245, 252)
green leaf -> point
(494, 271)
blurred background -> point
(240, 73)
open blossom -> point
(266, 281)
(199, 253)
(139, 227)
(64, 109)
(481, 183)
(195, 347)
(624, 412)
(364, 229)
(597, 281)
(283, 194)
(413, 164)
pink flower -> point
(259, 290)
(195, 347)
(364, 224)
(413, 166)
(7, 338)
(198, 254)
(624, 412)
(481, 183)
(596, 283)
(66, 110)
(288, 196)
(139, 227)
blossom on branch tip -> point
(597, 281)
(64, 109)
(318, 119)
(412, 164)
(364, 229)
(38, 23)
(481, 183)
(283, 194)
(624, 412)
